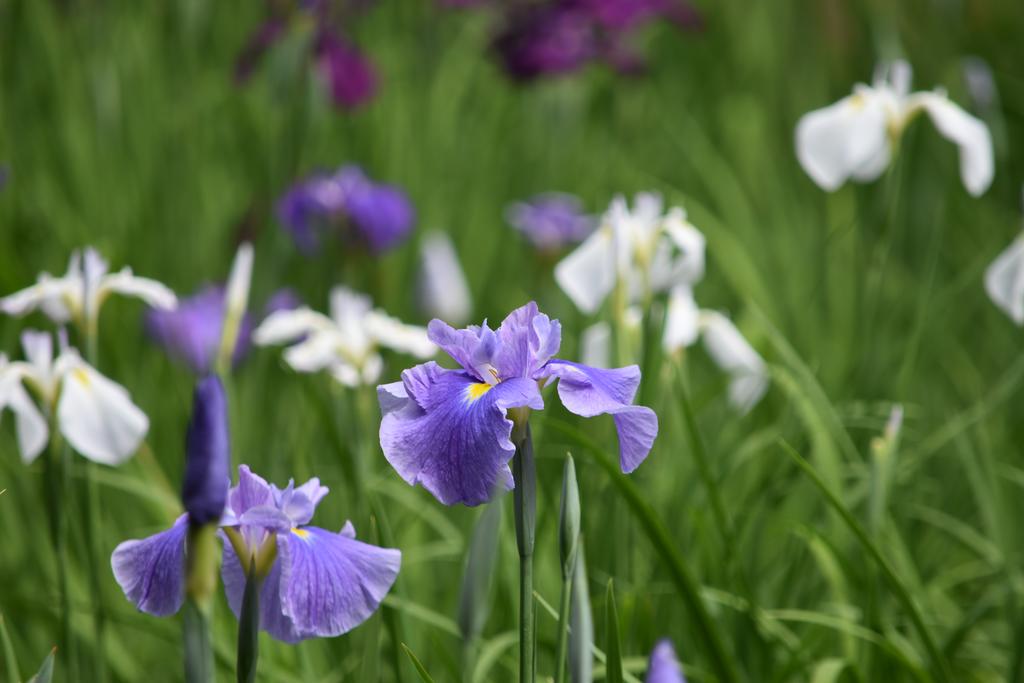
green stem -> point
(249, 627)
(92, 513)
(563, 628)
(525, 501)
(197, 643)
(57, 466)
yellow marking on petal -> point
(81, 375)
(475, 391)
(301, 533)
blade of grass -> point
(940, 667)
(420, 669)
(723, 663)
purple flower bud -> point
(207, 454)
(348, 75)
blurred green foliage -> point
(122, 128)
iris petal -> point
(447, 431)
(588, 391)
(330, 582)
(151, 571)
(272, 618)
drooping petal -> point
(528, 339)
(282, 327)
(30, 425)
(968, 133)
(588, 391)
(393, 333)
(449, 432)
(153, 293)
(845, 138)
(687, 265)
(1004, 281)
(97, 416)
(318, 351)
(330, 582)
(47, 293)
(734, 355)
(682, 320)
(151, 571)
(664, 667)
(587, 275)
(550, 221)
(444, 291)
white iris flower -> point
(78, 295)
(346, 343)
(95, 414)
(855, 137)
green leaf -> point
(10, 656)
(581, 625)
(420, 669)
(828, 671)
(45, 674)
(475, 594)
(940, 666)
(249, 628)
(656, 531)
(612, 645)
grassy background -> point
(122, 129)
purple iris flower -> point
(561, 36)
(379, 214)
(191, 332)
(664, 666)
(348, 75)
(315, 583)
(546, 39)
(449, 429)
(551, 221)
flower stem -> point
(200, 584)
(563, 629)
(57, 466)
(92, 514)
(249, 627)
(525, 501)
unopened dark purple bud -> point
(207, 454)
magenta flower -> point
(449, 430)
(345, 72)
(560, 36)
(316, 583)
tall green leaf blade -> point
(612, 645)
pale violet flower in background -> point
(95, 414)
(643, 250)
(664, 666)
(443, 291)
(346, 343)
(550, 221)
(855, 137)
(78, 295)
